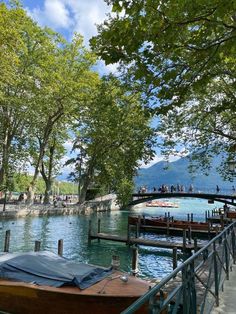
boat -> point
(43, 282)
(160, 221)
(162, 204)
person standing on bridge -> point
(217, 189)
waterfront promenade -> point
(228, 296)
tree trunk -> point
(47, 192)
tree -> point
(114, 135)
(182, 55)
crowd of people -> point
(175, 188)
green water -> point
(153, 262)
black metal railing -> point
(194, 286)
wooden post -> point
(189, 234)
(188, 217)
(139, 224)
(205, 216)
(60, 247)
(7, 241)
(37, 245)
(136, 230)
(209, 230)
(184, 240)
(175, 257)
(144, 221)
(191, 217)
(168, 226)
(99, 227)
(134, 261)
(195, 244)
(89, 231)
(165, 215)
(128, 234)
(222, 221)
(208, 214)
(169, 215)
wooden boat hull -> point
(106, 296)
(162, 222)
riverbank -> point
(100, 204)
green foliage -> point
(182, 55)
(114, 135)
(124, 190)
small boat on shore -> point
(162, 204)
(43, 282)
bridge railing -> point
(194, 286)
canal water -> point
(153, 262)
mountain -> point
(178, 173)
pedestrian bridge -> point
(139, 198)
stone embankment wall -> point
(101, 204)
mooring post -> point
(136, 230)
(222, 221)
(139, 224)
(37, 245)
(189, 234)
(184, 240)
(175, 257)
(134, 261)
(165, 215)
(60, 247)
(128, 234)
(195, 244)
(191, 217)
(99, 227)
(205, 216)
(7, 240)
(144, 221)
(168, 226)
(209, 230)
(89, 231)
(188, 216)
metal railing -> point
(194, 286)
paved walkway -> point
(228, 297)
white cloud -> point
(54, 13)
(71, 16)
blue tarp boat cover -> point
(47, 268)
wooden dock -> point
(145, 242)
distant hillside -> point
(178, 173)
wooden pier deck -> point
(141, 241)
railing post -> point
(233, 245)
(189, 291)
(216, 274)
(226, 257)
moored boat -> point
(162, 204)
(161, 221)
(43, 282)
